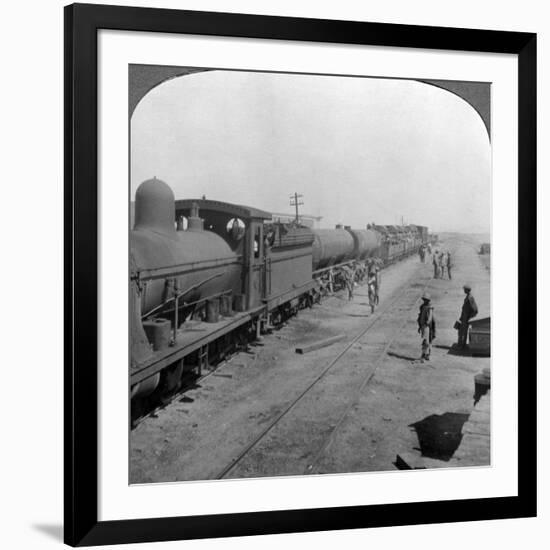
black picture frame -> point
(81, 25)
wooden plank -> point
(320, 344)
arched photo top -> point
(357, 148)
(143, 78)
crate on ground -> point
(480, 336)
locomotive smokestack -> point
(195, 223)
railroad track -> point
(390, 319)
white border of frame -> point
(118, 500)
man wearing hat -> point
(469, 311)
(372, 288)
(378, 277)
(426, 326)
(349, 279)
(442, 265)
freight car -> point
(198, 292)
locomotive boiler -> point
(199, 261)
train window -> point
(257, 242)
(235, 228)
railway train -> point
(201, 288)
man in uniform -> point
(372, 287)
(469, 311)
(449, 264)
(426, 326)
(349, 275)
(378, 283)
(442, 264)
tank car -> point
(366, 243)
(331, 246)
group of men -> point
(357, 272)
(427, 325)
(423, 251)
(442, 262)
(370, 269)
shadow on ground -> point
(480, 389)
(53, 531)
(400, 356)
(439, 435)
(460, 352)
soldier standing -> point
(449, 264)
(372, 289)
(349, 274)
(442, 264)
(469, 310)
(426, 326)
(378, 282)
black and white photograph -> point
(309, 274)
(274, 275)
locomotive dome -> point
(155, 207)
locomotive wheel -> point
(145, 387)
(171, 381)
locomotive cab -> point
(242, 227)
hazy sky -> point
(358, 149)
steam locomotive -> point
(198, 291)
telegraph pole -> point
(295, 201)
